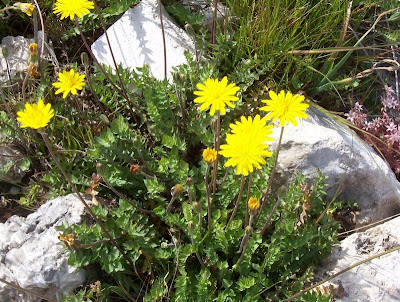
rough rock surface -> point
(374, 281)
(136, 39)
(18, 56)
(31, 255)
(320, 143)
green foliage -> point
(184, 15)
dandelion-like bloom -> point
(69, 82)
(26, 8)
(35, 116)
(246, 145)
(216, 94)
(254, 203)
(33, 49)
(70, 8)
(209, 155)
(285, 106)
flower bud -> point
(209, 155)
(176, 190)
(190, 226)
(253, 203)
(197, 207)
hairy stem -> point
(237, 203)
(270, 179)
(246, 220)
(208, 197)
(216, 143)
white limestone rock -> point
(374, 281)
(32, 256)
(320, 143)
(136, 39)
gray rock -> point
(373, 281)
(321, 143)
(136, 39)
(32, 256)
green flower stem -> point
(43, 31)
(163, 38)
(28, 291)
(196, 252)
(243, 246)
(270, 217)
(246, 220)
(343, 271)
(216, 142)
(208, 198)
(112, 240)
(265, 196)
(237, 203)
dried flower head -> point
(209, 155)
(254, 203)
(26, 8)
(216, 94)
(35, 116)
(68, 240)
(286, 107)
(246, 145)
(70, 8)
(135, 169)
(69, 82)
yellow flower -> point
(286, 107)
(246, 145)
(33, 49)
(35, 116)
(26, 8)
(70, 8)
(253, 203)
(69, 82)
(209, 155)
(216, 94)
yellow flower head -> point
(286, 107)
(69, 82)
(33, 49)
(216, 94)
(246, 145)
(35, 116)
(209, 155)
(70, 8)
(26, 8)
(254, 203)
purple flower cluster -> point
(383, 132)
